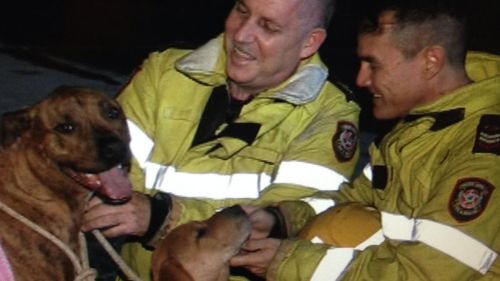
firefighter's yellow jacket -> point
(434, 180)
(287, 143)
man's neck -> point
(447, 84)
(241, 93)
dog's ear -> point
(13, 125)
(172, 270)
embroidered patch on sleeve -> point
(345, 141)
(469, 198)
(488, 135)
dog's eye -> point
(65, 128)
(113, 113)
(201, 232)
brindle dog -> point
(52, 156)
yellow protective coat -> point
(300, 121)
(426, 165)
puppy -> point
(52, 156)
(200, 251)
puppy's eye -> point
(201, 232)
(65, 128)
(113, 112)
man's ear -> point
(315, 38)
(434, 59)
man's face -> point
(396, 82)
(264, 42)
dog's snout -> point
(112, 150)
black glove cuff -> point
(160, 204)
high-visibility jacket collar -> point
(207, 64)
(484, 70)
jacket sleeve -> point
(461, 213)
(295, 260)
(138, 100)
(465, 207)
(401, 260)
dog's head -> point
(81, 131)
(201, 250)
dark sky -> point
(118, 34)
(120, 29)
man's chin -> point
(381, 114)
(385, 115)
(240, 76)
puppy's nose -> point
(235, 210)
(112, 150)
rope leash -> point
(82, 269)
(131, 275)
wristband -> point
(160, 204)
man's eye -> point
(373, 67)
(65, 128)
(270, 27)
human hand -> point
(131, 218)
(262, 221)
(257, 255)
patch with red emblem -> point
(488, 135)
(345, 141)
(469, 198)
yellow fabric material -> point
(295, 269)
(424, 170)
(344, 225)
(166, 98)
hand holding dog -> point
(131, 218)
(257, 255)
(262, 221)
(258, 252)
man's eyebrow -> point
(240, 3)
(369, 59)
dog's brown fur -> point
(45, 149)
(200, 251)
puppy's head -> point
(201, 250)
(81, 131)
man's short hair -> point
(319, 12)
(327, 8)
(422, 23)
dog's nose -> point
(235, 210)
(112, 150)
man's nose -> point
(245, 31)
(364, 75)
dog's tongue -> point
(115, 185)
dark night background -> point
(118, 34)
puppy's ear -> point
(172, 270)
(13, 125)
